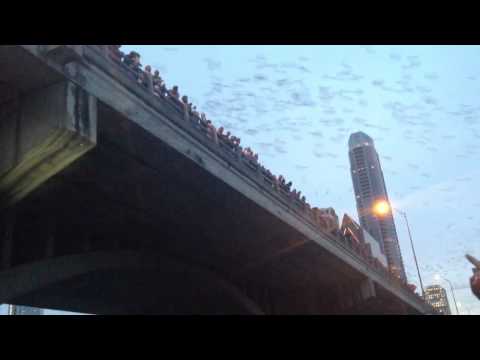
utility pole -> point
(413, 250)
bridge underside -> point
(206, 248)
(132, 193)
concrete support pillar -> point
(41, 133)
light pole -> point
(451, 289)
(382, 208)
(413, 249)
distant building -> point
(361, 236)
(436, 296)
(23, 310)
(369, 187)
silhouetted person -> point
(157, 80)
(212, 131)
(115, 52)
(159, 84)
(275, 182)
(147, 79)
(186, 107)
(235, 141)
(174, 93)
(196, 113)
(247, 153)
(132, 60)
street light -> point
(383, 208)
(437, 278)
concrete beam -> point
(64, 54)
(41, 133)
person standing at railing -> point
(148, 78)
(115, 53)
(132, 61)
(202, 118)
(220, 132)
(212, 132)
(276, 183)
(294, 193)
(289, 184)
(186, 107)
(158, 84)
(235, 142)
(157, 81)
(174, 93)
(227, 137)
(196, 114)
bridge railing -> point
(189, 121)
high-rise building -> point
(23, 310)
(369, 187)
(436, 296)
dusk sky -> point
(297, 105)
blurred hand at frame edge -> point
(475, 279)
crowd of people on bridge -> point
(154, 81)
(325, 219)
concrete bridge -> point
(111, 202)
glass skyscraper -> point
(369, 187)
